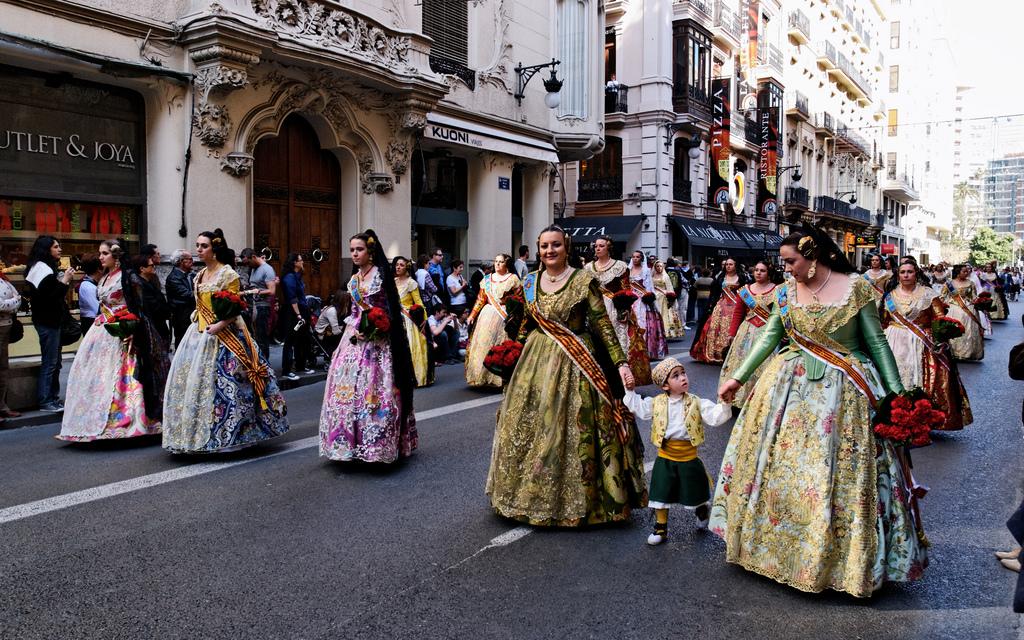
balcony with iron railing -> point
(824, 122)
(727, 21)
(616, 99)
(603, 188)
(797, 104)
(826, 54)
(898, 184)
(850, 140)
(799, 27)
(695, 101)
(769, 54)
(846, 74)
(682, 190)
(701, 6)
(797, 197)
(860, 214)
(843, 209)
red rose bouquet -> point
(502, 358)
(122, 324)
(374, 324)
(416, 314)
(945, 329)
(649, 298)
(908, 418)
(228, 305)
(983, 302)
(671, 295)
(515, 311)
(623, 300)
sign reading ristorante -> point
(69, 140)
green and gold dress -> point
(807, 495)
(563, 454)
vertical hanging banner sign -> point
(751, 12)
(718, 168)
(768, 161)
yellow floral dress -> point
(488, 329)
(667, 308)
(409, 292)
(807, 495)
(557, 458)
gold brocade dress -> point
(488, 328)
(557, 458)
(878, 278)
(409, 292)
(960, 296)
(807, 495)
(666, 307)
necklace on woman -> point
(562, 276)
(506, 277)
(599, 268)
(815, 304)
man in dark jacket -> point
(179, 293)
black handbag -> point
(17, 331)
(70, 329)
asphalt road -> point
(120, 540)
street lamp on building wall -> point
(853, 196)
(553, 85)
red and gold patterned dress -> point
(713, 335)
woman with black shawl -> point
(367, 411)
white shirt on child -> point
(713, 414)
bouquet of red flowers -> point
(374, 325)
(623, 300)
(515, 311)
(416, 314)
(983, 302)
(123, 324)
(502, 358)
(671, 295)
(649, 298)
(908, 418)
(228, 305)
(945, 329)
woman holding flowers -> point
(918, 330)
(616, 292)
(960, 294)
(106, 399)
(808, 494)
(713, 337)
(367, 412)
(414, 319)
(488, 317)
(566, 451)
(749, 319)
(666, 301)
(645, 308)
(221, 393)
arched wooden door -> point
(296, 191)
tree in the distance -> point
(987, 245)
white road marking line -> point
(46, 505)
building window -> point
(894, 35)
(682, 187)
(574, 28)
(890, 165)
(609, 55)
(440, 181)
(893, 122)
(691, 68)
(894, 78)
(447, 23)
(601, 176)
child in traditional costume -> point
(677, 429)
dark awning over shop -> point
(719, 235)
(585, 229)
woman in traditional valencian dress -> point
(106, 399)
(666, 305)
(748, 321)
(489, 317)
(221, 392)
(877, 275)
(807, 494)
(647, 314)
(960, 294)
(713, 329)
(566, 451)
(414, 319)
(367, 412)
(907, 311)
(990, 282)
(612, 276)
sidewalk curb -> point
(40, 418)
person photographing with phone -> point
(294, 318)
(445, 334)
